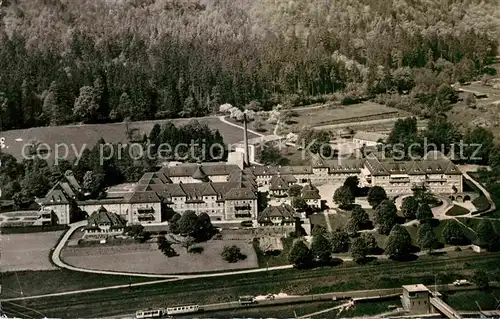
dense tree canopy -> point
(164, 58)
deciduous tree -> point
(320, 248)
(300, 254)
(385, 216)
(376, 195)
(343, 197)
(399, 242)
(409, 207)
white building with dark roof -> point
(104, 224)
(362, 138)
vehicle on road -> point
(270, 297)
(150, 313)
(461, 282)
(247, 300)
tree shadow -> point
(376, 251)
(414, 249)
(367, 225)
(404, 258)
(433, 222)
(400, 220)
(366, 260)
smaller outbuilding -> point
(104, 224)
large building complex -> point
(229, 192)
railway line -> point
(114, 302)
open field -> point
(332, 114)
(283, 311)
(485, 114)
(27, 251)
(146, 258)
(88, 134)
(346, 276)
(32, 283)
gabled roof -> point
(144, 197)
(278, 183)
(200, 174)
(102, 217)
(72, 180)
(289, 170)
(345, 165)
(263, 170)
(67, 189)
(240, 193)
(317, 161)
(284, 211)
(310, 192)
(209, 190)
(187, 170)
(56, 196)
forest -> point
(93, 61)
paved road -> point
(465, 169)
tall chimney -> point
(245, 140)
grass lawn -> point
(471, 235)
(337, 114)
(370, 308)
(50, 281)
(146, 258)
(466, 300)
(345, 276)
(28, 251)
(457, 210)
(474, 222)
(481, 203)
(88, 134)
(283, 311)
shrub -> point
(232, 254)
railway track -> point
(197, 290)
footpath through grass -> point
(346, 276)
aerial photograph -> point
(312, 159)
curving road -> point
(465, 169)
(56, 259)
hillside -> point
(98, 61)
